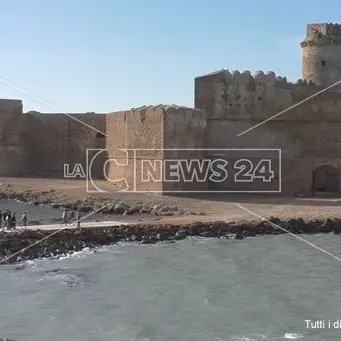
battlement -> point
(224, 94)
(165, 107)
(314, 30)
(249, 78)
(246, 77)
(322, 34)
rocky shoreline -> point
(89, 204)
(71, 240)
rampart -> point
(242, 96)
(144, 134)
(56, 139)
(13, 146)
(226, 104)
(35, 144)
(38, 145)
(308, 133)
(232, 110)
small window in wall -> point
(323, 63)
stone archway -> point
(98, 157)
(326, 180)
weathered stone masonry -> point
(226, 104)
(35, 144)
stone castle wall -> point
(13, 146)
(35, 144)
(140, 128)
(226, 105)
(308, 135)
(144, 135)
(55, 139)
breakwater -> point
(52, 199)
(30, 244)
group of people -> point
(8, 219)
(71, 217)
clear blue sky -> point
(108, 55)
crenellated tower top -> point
(321, 54)
(322, 34)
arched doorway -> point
(100, 141)
(98, 157)
(326, 180)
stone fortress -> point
(227, 104)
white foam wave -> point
(243, 338)
(293, 336)
(72, 255)
(259, 337)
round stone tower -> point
(321, 54)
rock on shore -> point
(89, 204)
(27, 244)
